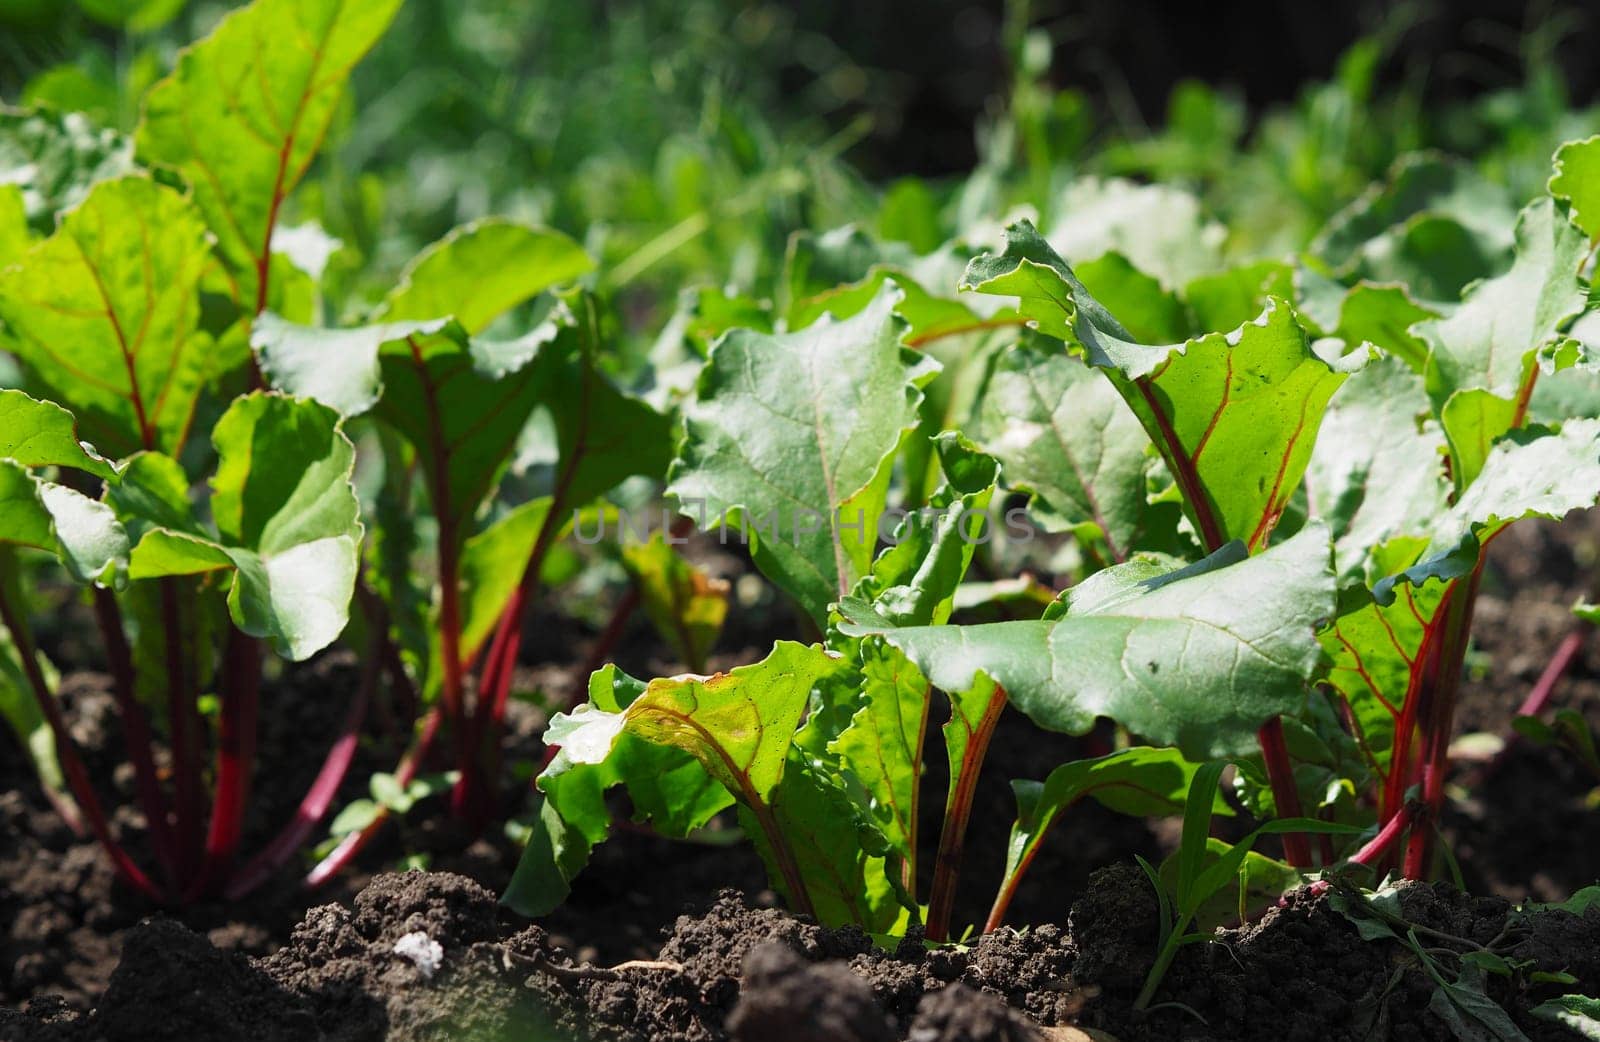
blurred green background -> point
(684, 141)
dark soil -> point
(750, 974)
(1520, 832)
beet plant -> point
(1254, 462)
(171, 294)
(131, 321)
(822, 746)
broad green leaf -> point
(1377, 469)
(1152, 313)
(1234, 415)
(914, 581)
(337, 367)
(881, 748)
(473, 275)
(94, 545)
(1063, 435)
(667, 786)
(1491, 341)
(54, 158)
(1229, 299)
(1141, 781)
(24, 521)
(1160, 229)
(492, 562)
(686, 606)
(794, 435)
(1196, 658)
(739, 726)
(84, 533)
(1473, 420)
(1376, 641)
(245, 112)
(1578, 1012)
(837, 857)
(480, 271)
(1529, 473)
(43, 434)
(1375, 654)
(943, 330)
(1577, 181)
(1382, 315)
(1468, 1011)
(14, 236)
(287, 523)
(105, 314)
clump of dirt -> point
(787, 999)
(1113, 925)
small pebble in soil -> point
(425, 953)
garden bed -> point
(298, 963)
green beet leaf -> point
(1383, 316)
(839, 872)
(246, 111)
(793, 436)
(686, 606)
(1376, 640)
(491, 567)
(1064, 436)
(880, 750)
(1198, 657)
(668, 788)
(1577, 181)
(739, 726)
(1377, 469)
(482, 270)
(1229, 299)
(104, 315)
(1234, 415)
(1530, 473)
(38, 433)
(1141, 781)
(84, 533)
(1491, 342)
(286, 521)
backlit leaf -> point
(246, 111)
(104, 314)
